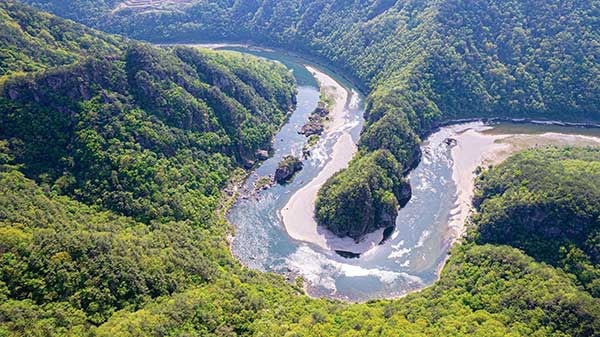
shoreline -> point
(497, 148)
(477, 146)
(494, 149)
(298, 214)
(315, 61)
(586, 125)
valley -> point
(275, 228)
(138, 194)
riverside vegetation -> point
(422, 61)
(114, 153)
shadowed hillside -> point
(423, 61)
(114, 155)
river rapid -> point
(414, 253)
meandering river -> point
(412, 256)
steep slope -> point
(423, 61)
(72, 269)
(504, 55)
(112, 163)
(546, 203)
(137, 131)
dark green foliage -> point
(484, 291)
(364, 197)
(142, 131)
(469, 58)
(392, 133)
(31, 41)
(547, 203)
(423, 61)
(146, 132)
(489, 284)
(518, 58)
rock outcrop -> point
(315, 124)
(364, 198)
(287, 168)
(262, 154)
(313, 127)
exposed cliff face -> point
(364, 198)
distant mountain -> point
(114, 157)
(423, 61)
(32, 41)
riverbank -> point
(414, 253)
(298, 213)
(481, 145)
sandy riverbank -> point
(339, 115)
(216, 46)
(481, 145)
(298, 213)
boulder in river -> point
(312, 128)
(262, 154)
(287, 168)
(321, 110)
(451, 142)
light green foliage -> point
(546, 202)
(95, 262)
(155, 134)
(422, 61)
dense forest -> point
(114, 155)
(422, 61)
(546, 204)
(367, 196)
(146, 132)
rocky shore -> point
(287, 168)
(316, 121)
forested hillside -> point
(112, 163)
(113, 156)
(73, 268)
(29, 44)
(547, 204)
(487, 288)
(507, 57)
(145, 132)
(423, 61)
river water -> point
(411, 257)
